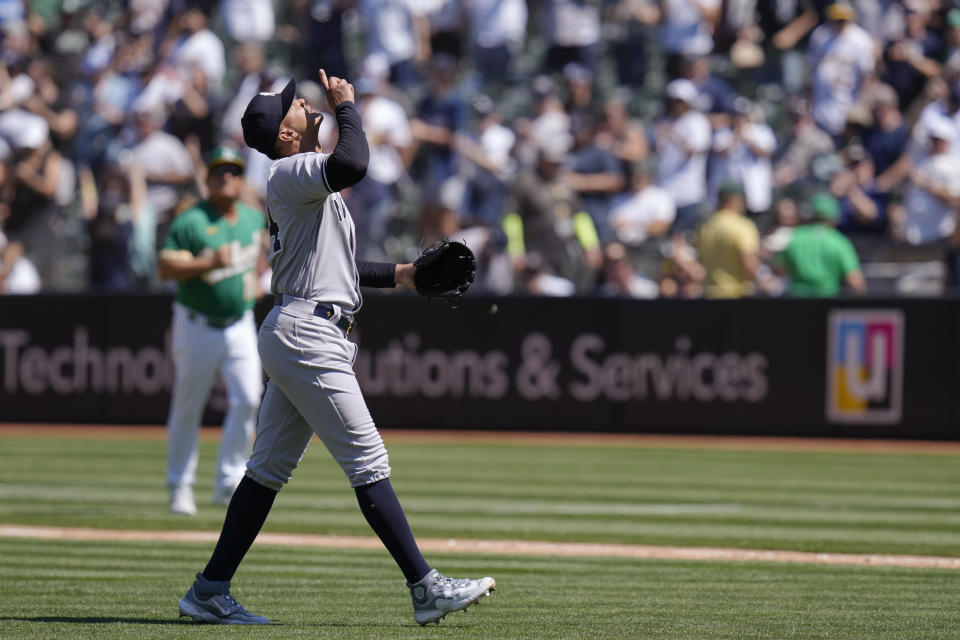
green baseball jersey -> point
(817, 259)
(228, 291)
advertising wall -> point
(874, 368)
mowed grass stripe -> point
(97, 590)
(809, 501)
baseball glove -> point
(445, 270)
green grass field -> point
(814, 501)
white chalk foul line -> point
(512, 547)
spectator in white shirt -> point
(647, 211)
(248, 20)
(191, 43)
(932, 196)
(743, 153)
(18, 276)
(843, 58)
(640, 221)
(682, 142)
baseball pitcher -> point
(304, 346)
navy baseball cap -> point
(261, 121)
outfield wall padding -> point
(859, 367)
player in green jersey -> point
(211, 252)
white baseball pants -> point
(199, 353)
(312, 389)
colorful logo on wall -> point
(865, 366)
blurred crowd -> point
(634, 148)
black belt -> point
(216, 323)
(326, 311)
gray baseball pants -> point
(312, 390)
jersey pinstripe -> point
(312, 236)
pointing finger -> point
(323, 80)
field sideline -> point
(589, 536)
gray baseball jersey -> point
(312, 387)
(312, 236)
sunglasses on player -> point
(223, 169)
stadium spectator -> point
(145, 16)
(317, 30)
(18, 276)
(595, 174)
(627, 29)
(843, 57)
(446, 22)
(572, 30)
(622, 135)
(398, 33)
(862, 208)
(687, 30)
(36, 172)
(785, 218)
(913, 57)
(932, 196)
(951, 65)
(786, 25)
(190, 43)
(497, 31)
(375, 199)
(440, 116)
(682, 140)
(51, 102)
(536, 279)
(743, 153)
(550, 125)
(644, 213)
(192, 114)
(490, 167)
(101, 97)
(681, 275)
(806, 143)
(819, 260)
(546, 219)
(620, 279)
(714, 95)
(937, 109)
(579, 104)
(167, 164)
(121, 227)
(727, 246)
(886, 137)
(248, 20)
(250, 61)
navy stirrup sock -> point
(246, 514)
(382, 509)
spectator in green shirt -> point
(819, 260)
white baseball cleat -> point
(181, 501)
(437, 595)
